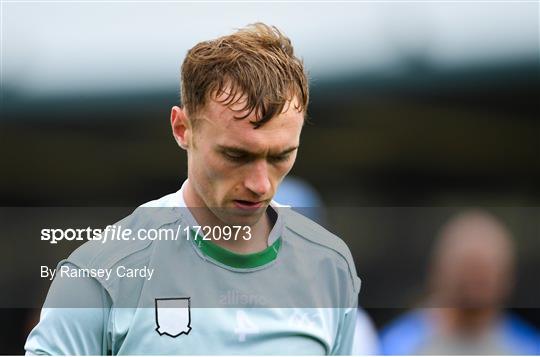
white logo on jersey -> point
(303, 320)
(173, 316)
(244, 326)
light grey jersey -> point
(298, 296)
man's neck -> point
(205, 217)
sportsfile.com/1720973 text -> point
(116, 232)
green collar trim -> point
(236, 260)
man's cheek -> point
(283, 171)
(215, 169)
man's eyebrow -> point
(287, 151)
(238, 150)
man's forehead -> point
(273, 137)
(216, 112)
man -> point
(283, 285)
(471, 276)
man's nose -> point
(257, 180)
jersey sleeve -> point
(345, 343)
(345, 340)
(79, 329)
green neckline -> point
(237, 260)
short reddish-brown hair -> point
(256, 64)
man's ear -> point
(181, 127)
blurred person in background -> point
(304, 198)
(471, 275)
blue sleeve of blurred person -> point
(408, 333)
(302, 197)
(404, 335)
(520, 336)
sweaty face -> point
(234, 169)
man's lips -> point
(249, 205)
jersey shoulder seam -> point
(306, 229)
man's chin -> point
(241, 217)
